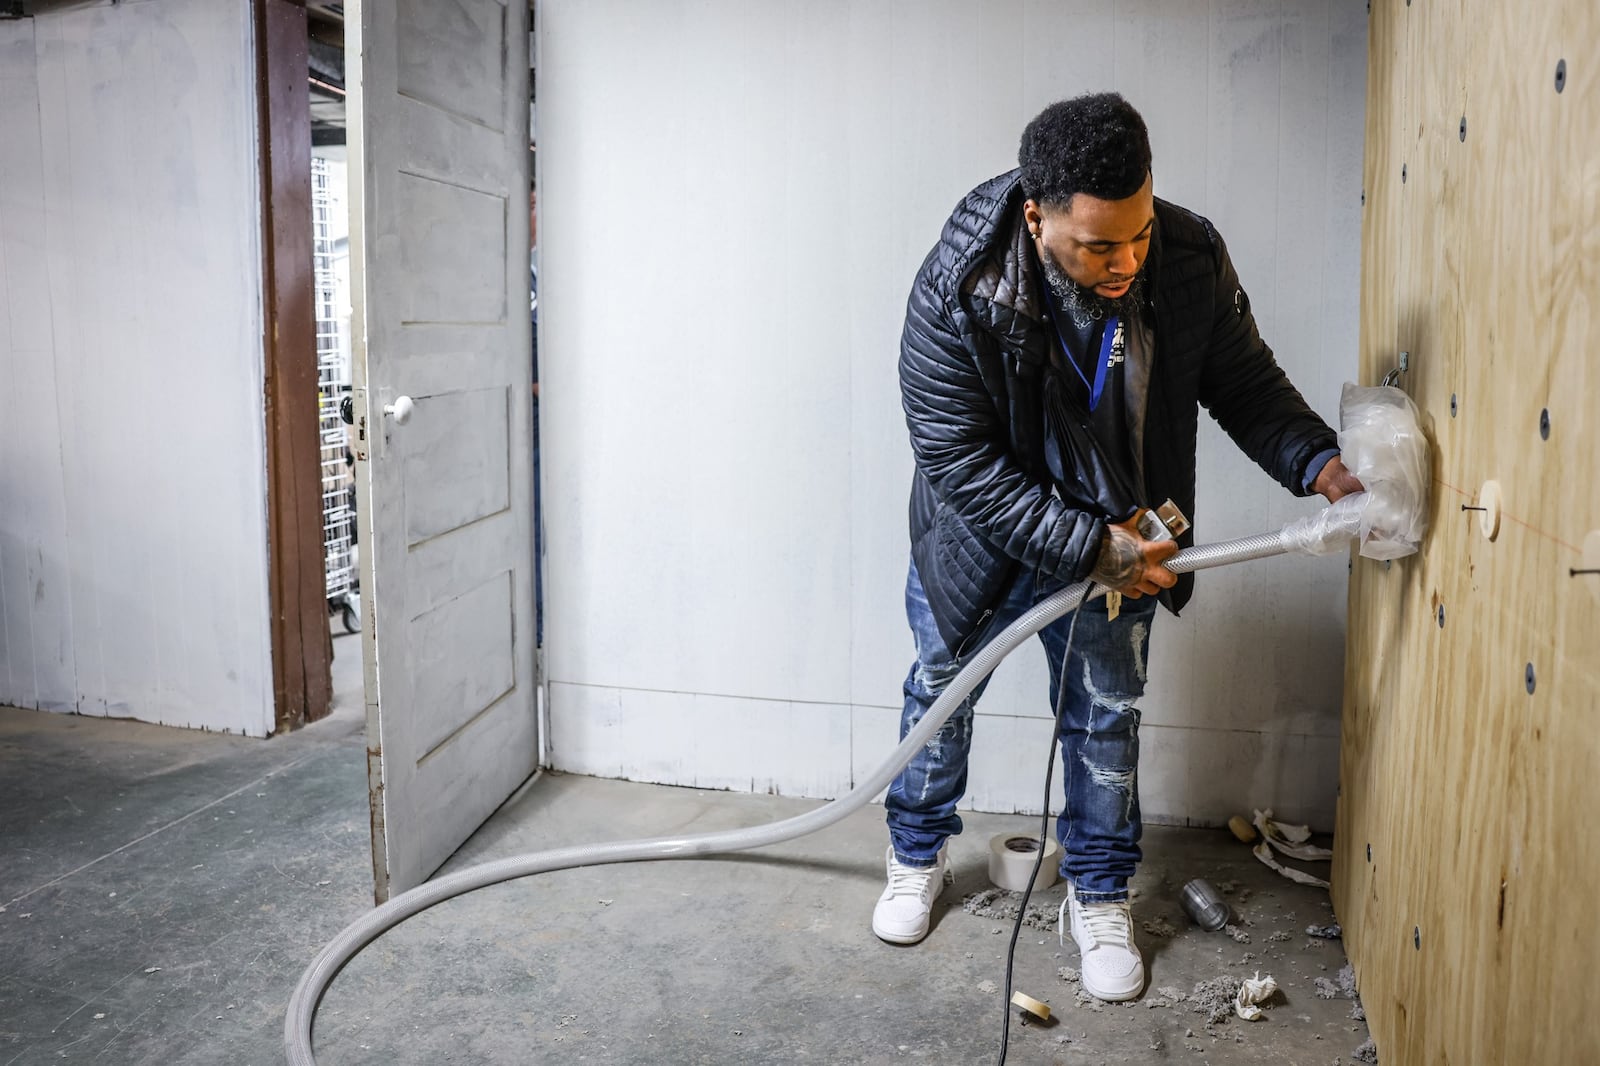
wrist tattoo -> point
(1119, 563)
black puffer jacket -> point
(973, 359)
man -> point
(1058, 341)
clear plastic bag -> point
(1384, 447)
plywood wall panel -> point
(1465, 858)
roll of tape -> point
(1011, 859)
(1026, 1002)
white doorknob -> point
(400, 410)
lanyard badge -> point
(1113, 351)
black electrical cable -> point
(1044, 830)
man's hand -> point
(1131, 565)
(1335, 481)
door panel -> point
(439, 252)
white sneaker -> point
(902, 913)
(1113, 969)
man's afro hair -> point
(1095, 144)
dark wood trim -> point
(302, 648)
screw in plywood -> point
(1589, 566)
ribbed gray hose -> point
(358, 934)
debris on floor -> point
(1263, 851)
(1240, 893)
(1001, 905)
(1239, 935)
(1326, 932)
(1167, 996)
(1215, 998)
(1067, 973)
(1290, 840)
(1367, 1052)
(988, 988)
(1358, 1013)
(1347, 981)
(1342, 986)
(1160, 927)
(1253, 991)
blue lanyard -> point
(1109, 343)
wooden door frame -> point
(302, 646)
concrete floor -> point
(161, 890)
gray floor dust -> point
(161, 890)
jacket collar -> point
(1002, 288)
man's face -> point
(1099, 244)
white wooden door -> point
(438, 139)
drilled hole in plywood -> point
(1561, 74)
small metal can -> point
(1204, 904)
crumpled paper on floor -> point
(1254, 990)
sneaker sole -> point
(907, 938)
(1119, 997)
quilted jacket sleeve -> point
(961, 444)
(1248, 393)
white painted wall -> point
(133, 546)
(734, 199)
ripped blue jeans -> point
(1099, 825)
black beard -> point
(1085, 305)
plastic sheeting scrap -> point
(1263, 851)
(1382, 444)
(1289, 839)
